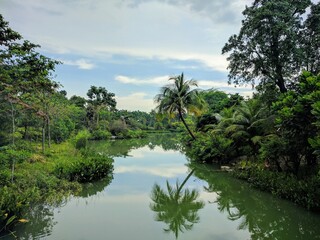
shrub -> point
(302, 192)
(62, 129)
(211, 148)
(81, 139)
(118, 128)
(134, 134)
(88, 168)
(100, 134)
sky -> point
(131, 47)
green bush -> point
(81, 139)
(62, 129)
(134, 134)
(211, 148)
(305, 192)
(88, 168)
(100, 135)
(11, 154)
(118, 128)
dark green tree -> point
(268, 47)
(311, 40)
(78, 101)
(297, 114)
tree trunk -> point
(49, 130)
(281, 85)
(13, 131)
(13, 122)
(12, 169)
(185, 124)
(43, 135)
(184, 182)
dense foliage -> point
(272, 139)
(274, 43)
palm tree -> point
(180, 99)
(249, 124)
(175, 207)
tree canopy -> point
(269, 45)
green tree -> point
(179, 98)
(216, 100)
(268, 47)
(248, 126)
(25, 74)
(297, 114)
(311, 40)
(78, 101)
(99, 98)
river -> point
(157, 193)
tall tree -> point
(25, 74)
(179, 98)
(267, 48)
(100, 98)
(311, 40)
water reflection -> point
(176, 207)
(41, 217)
(263, 215)
(122, 210)
(41, 222)
(122, 147)
(90, 189)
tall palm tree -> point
(175, 207)
(179, 98)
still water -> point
(156, 193)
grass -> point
(44, 178)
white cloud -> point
(245, 90)
(213, 61)
(221, 84)
(80, 63)
(107, 32)
(136, 101)
(159, 81)
(98, 28)
(224, 11)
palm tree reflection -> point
(177, 208)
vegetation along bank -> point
(271, 139)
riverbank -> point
(303, 192)
(28, 177)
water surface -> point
(156, 193)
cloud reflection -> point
(162, 171)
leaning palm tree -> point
(179, 98)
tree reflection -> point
(264, 216)
(176, 207)
(122, 147)
(90, 189)
(41, 222)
